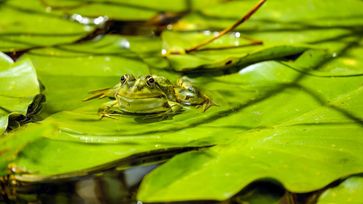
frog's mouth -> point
(135, 95)
(144, 104)
(142, 96)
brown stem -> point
(228, 29)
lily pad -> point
(18, 87)
(314, 22)
(315, 134)
(278, 25)
(69, 72)
(28, 24)
(126, 10)
(66, 159)
(349, 191)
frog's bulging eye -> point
(150, 81)
(123, 79)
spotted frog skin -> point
(151, 95)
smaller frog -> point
(151, 95)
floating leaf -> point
(276, 25)
(319, 125)
(69, 72)
(221, 60)
(308, 21)
(66, 159)
(349, 191)
(126, 10)
(18, 87)
(28, 24)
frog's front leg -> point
(108, 109)
(173, 109)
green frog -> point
(150, 95)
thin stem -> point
(228, 29)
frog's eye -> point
(123, 79)
(150, 81)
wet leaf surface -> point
(126, 10)
(317, 125)
(28, 24)
(349, 191)
(18, 87)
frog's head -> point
(150, 86)
(144, 94)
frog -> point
(149, 95)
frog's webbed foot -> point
(175, 108)
(207, 104)
(107, 115)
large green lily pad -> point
(28, 24)
(18, 87)
(69, 72)
(316, 121)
